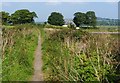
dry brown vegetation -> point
(81, 56)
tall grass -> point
(19, 44)
(103, 29)
(0, 53)
(72, 55)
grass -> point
(104, 29)
(68, 55)
(74, 55)
(97, 29)
(8, 26)
(0, 69)
(19, 45)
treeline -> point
(80, 19)
(25, 16)
(18, 17)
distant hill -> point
(107, 21)
(101, 21)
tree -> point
(56, 19)
(4, 16)
(23, 16)
(79, 18)
(91, 18)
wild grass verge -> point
(19, 44)
(74, 55)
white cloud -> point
(81, 0)
(6, 4)
(111, 0)
(56, 1)
(53, 3)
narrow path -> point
(38, 75)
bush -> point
(72, 26)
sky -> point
(44, 9)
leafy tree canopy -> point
(91, 18)
(79, 18)
(56, 19)
(4, 16)
(88, 18)
(23, 16)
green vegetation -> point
(91, 18)
(68, 54)
(56, 19)
(88, 19)
(102, 29)
(18, 52)
(18, 17)
(79, 18)
(73, 55)
(5, 17)
(0, 68)
(22, 16)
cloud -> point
(53, 3)
(59, 1)
(6, 4)
(81, 0)
(111, 0)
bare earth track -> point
(38, 75)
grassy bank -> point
(19, 44)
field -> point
(103, 29)
(67, 54)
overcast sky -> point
(44, 9)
